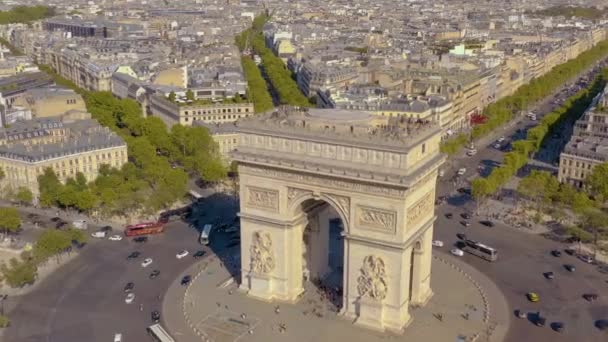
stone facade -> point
(377, 175)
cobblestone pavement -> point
(466, 305)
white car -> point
(462, 171)
(117, 337)
(497, 146)
(146, 262)
(471, 152)
(130, 298)
(501, 139)
(99, 234)
(438, 243)
(457, 252)
(181, 254)
(115, 238)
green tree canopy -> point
(597, 181)
(24, 195)
(10, 221)
(19, 273)
(52, 242)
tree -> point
(19, 273)
(24, 195)
(172, 96)
(190, 95)
(481, 189)
(597, 182)
(10, 221)
(51, 242)
(595, 221)
(49, 187)
(4, 321)
(539, 186)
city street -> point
(84, 300)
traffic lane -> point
(522, 260)
(84, 300)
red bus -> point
(145, 228)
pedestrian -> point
(141, 307)
(277, 310)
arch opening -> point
(323, 247)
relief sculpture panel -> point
(419, 209)
(263, 198)
(372, 281)
(262, 256)
(378, 219)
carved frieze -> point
(375, 218)
(263, 198)
(262, 256)
(419, 209)
(372, 281)
(324, 181)
(294, 193)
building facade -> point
(188, 113)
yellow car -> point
(533, 297)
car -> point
(133, 255)
(106, 229)
(570, 251)
(130, 298)
(117, 337)
(522, 314)
(147, 262)
(487, 223)
(465, 223)
(461, 236)
(590, 297)
(141, 239)
(449, 215)
(186, 280)
(602, 324)
(155, 315)
(181, 254)
(464, 191)
(462, 171)
(129, 287)
(558, 326)
(533, 297)
(471, 152)
(497, 146)
(556, 253)
(115, 238)
(154, 274)
(501, 139)
(539, 320)
(586, 258)
(549, 275)
(457, 252)
(441, 173)
(438, 243)
(99, 234)
(198, 254)
(465, 216)
(570, 268)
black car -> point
(602, 324)
(590, 297)
(461, 236)
(556, 253)
(464, 191)
(540, 321)
(56, 219)
(570, 251)
(198, 254)
(129, 287)
(154, 274)
(449, 215)
(155, 316)
(570, 268)
(558, 326)
(106, 229)
(186, 280)
(134, 255)
(141, 239)
(465, 223)
(549, 275)
(487, 223)
(465, 216)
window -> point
(423, 148)
(186, 119)
(186, 112)
(246, 110)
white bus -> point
(204, 239)
(485, 252)
(159, 334)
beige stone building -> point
(48, 102)
(68, 147)
(311, 178)
(188, 113)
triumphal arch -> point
(302, 168)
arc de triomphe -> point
(377, 173)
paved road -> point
(84, 299)
(524, 257)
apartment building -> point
(85, 73)
(28, 148)
(188, 112)
(51, 101)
